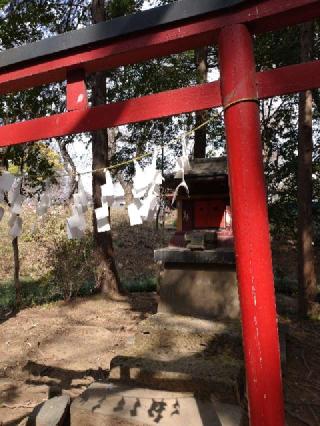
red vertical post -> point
(251, 227)
(77, 97)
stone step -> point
(184, 354)
(54, 412)
(114, 405)
(189, 334)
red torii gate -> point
(162, 31)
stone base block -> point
(203, 291)
(115, 405)
(54, 412)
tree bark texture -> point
(107, 277)
(16, 276)
(68, 162)
(306, 261)
(200, 137)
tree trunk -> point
(200, 136)
(107, 277)
(306, 262)
(17, 284)
(68, 161)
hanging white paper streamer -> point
(134, 216)
(107, 190)
(78, 203)
(15, 191)
(139, 194)
(80, 218)
(140, 183)
(83, 201)
(137, 202)
(17, 206)
(186, 163)
(16, 227)
(183, 184)
(151, 170)
(74, 228)
(148, 208)
(103, 225)
(102, 212)
(76, 224)
(102, 217)
(43, 205)
(82, 196)
(15, 198)
(157, 190)
(182, 165)
(1, 213)
(158, 179)
(6, 181)
(12, 219)
(147, 180)
(119, 194)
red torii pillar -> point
(251, 227)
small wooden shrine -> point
(198, 267)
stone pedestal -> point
(201, 284)
(116, 405)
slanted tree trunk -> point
(16, 276)
(306, 261)
(68, 162)
(107, 277)
(200, 137)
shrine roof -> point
(204, 171)
(208, 167)
(119, 27)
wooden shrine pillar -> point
(251, 227)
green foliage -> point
(37, 292)
(117, 8)
(47, 290)
(3, 3)
(279, 121)
(72, 265)
(141, 284)
(22, 22)
(33, 292)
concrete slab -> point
(107, 404)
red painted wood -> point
(77, 97)
(105, 116)
(251, 229)
(265, 15)
(290, 79)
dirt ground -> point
(63, 346)
(47, 349)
